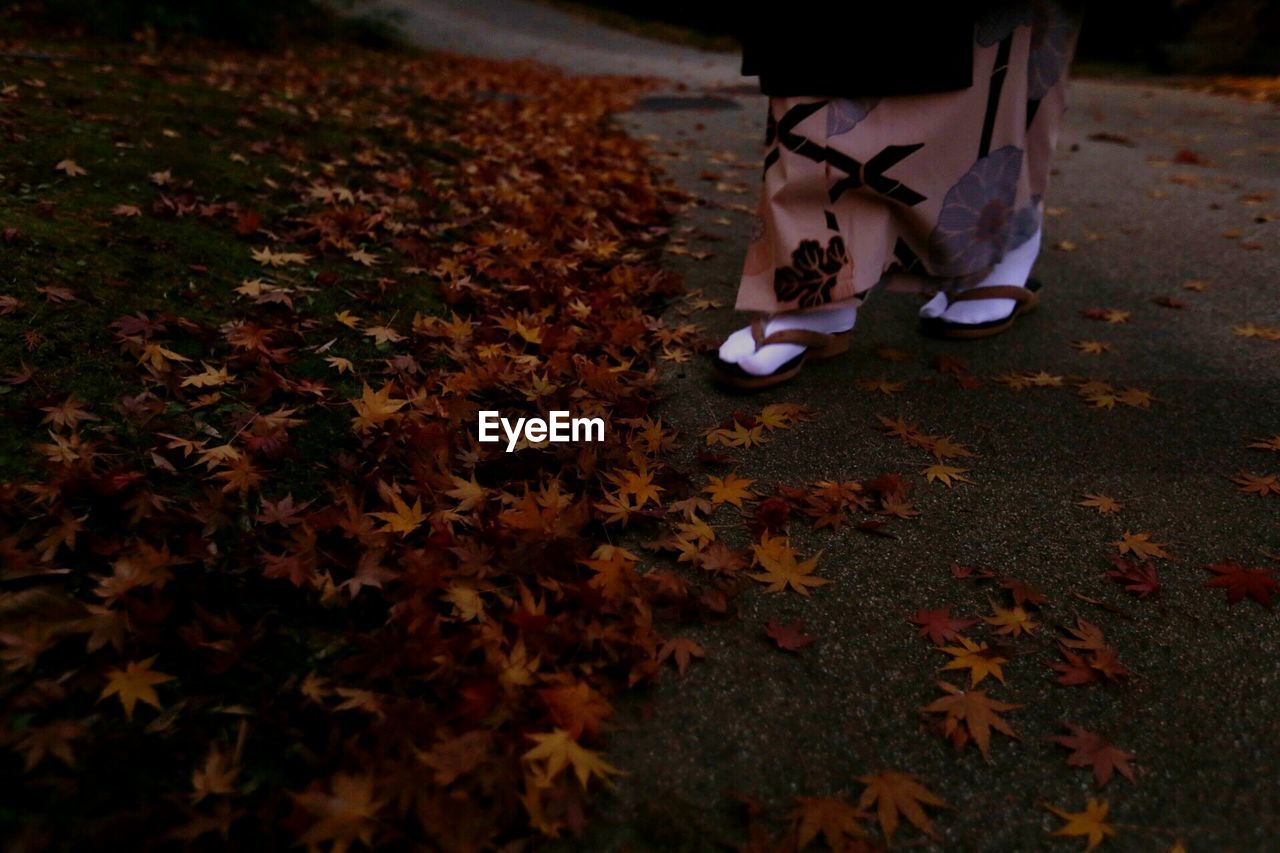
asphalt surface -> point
(1202, 710)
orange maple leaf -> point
(135, 683)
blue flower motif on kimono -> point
(997, 20)
(843, 114)
(1052, 31)
(812, 273)
(977, 215)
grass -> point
(125, 124)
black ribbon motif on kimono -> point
(869, 174)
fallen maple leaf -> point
(978, 714)
(1240, 582)
(557, 750)
(1104, 504)
(1272, 443)
(831, 817)
(730, 489)
(1141, 546)
(781, 570)
(946, 474)
(134, 684)
(70, 168)
(894, 792)
(279, 259)
(1140, 579)
(980, 659)
(938, 625)
(1090, 750)
(1014, 622)
(405, 519)
(1258, 484)
(344, 815)
(1090, 823)
(681, 650)
(791, 638)
(1085, 636)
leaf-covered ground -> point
(261, 584)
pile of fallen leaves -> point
(276, 591)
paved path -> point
(516, 29)
(1202, 710)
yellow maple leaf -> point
(1090, 823)
(730, 489)
(383, 334)
(781, 570)
(135, 683)
(1015, 381)
(278, 259)
(405, 519)
(1104, 504)
(157, 356)
(70, 168)
(557, 750)
(374, 407)
(209, 379)
(946, 474)
(1136, 397)
(979, 658)
(1044, 379)
(1014, 622)
(1141, 546)
(340, 364)
(943, 447)
(469, 493)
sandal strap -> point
(997, 291)
(801, 337)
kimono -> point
(865, 184)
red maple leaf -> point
(1091, 750)
(791, 638)
(1138, 578)
(1075, 670)
(938, 625)
(1238, 581)
(1023, 593)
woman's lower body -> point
(932, 193)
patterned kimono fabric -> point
(912, 192)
